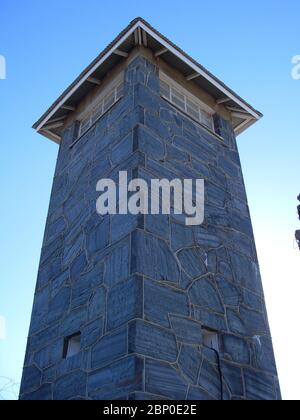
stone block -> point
(186, 330)
(59, 282)
(49, 375)
(72, 250)
(44, 337)
(100, 169)
(152, 257)
(59, 305)
(264, 354)
(78, 361)
(125, 302)
(148, 143)
(204, 294)
(189, 362)
(97, 303)
(163, 379)
(181, 236)
(198, 394)
(146, 98)
(254, 321)
(192, 148)
(210, 319)
(110, 348)
(44, 393)
(205, 239)
(232, 376)
(175, 154)
(218, 177)
(70, 385)
(160, 301)
(157, 126)
(259, 386)
(235, 323)
(122, 108)
(144, 396)
(118, 264)
(130, 121)
(91, 333)
(32, 379)
(49, 271)
(74, 321)
(230, 168)
(122, 150)
(252, 300)
(153, 341)
(122, 225)
(236, 349)
(210, 380)
(158, 225)
(49, 355)
(56, 228)
(83, 286)
(230, 294)
(192, 261)
(78, 266)
(241, 223)
(201, 168)
(99, 237)
(246, 322)
(214, 195)
(117, 380)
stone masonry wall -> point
(141, 288)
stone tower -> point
(143, 306)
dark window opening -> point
(72, 345)
(210, 339)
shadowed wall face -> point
(142, 291)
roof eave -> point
(253, 115)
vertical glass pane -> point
(193, 109)
(84, 126)
(109, 101)
(206, 119)
(193, 113)
(164, 89)
(98, 111)
(119, 90)
(178, 99)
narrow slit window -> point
(72, 345)
(210, 339)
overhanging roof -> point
(140, 32)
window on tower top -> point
(106, 99)
(186, 102)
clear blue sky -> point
(248, 45)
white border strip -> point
(174, 51)
(91, 71)
(199, 70)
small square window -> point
(72, 345)
(210, 339)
